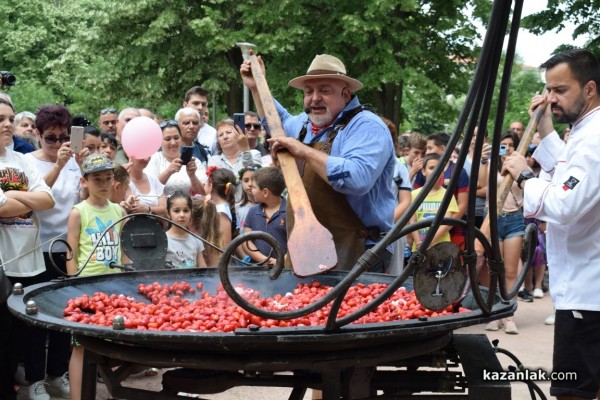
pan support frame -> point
(447, 366)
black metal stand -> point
(383, 372)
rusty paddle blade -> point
(310, 245)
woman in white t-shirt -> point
(148, 192)
(23, 193)
(167, 166)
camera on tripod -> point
(8, 78)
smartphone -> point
(186, 154)
(239, 120)
(502, 150)
(76, 139)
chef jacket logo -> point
(570, 183)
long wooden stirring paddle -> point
(310, 244)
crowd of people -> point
(359, 173)
(53, 188)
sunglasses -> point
(255, 126)
(53, 139)
(108, 111)
(168, 123)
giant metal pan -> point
(51, 299)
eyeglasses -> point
(255, 126)
(108, 111)
(168, 123)
(53, 139)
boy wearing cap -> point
(346, 158)
(91, 217)
(87, 222)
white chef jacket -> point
(570, 203)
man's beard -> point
(571, 115)
(321, 120)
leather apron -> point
(333, 211)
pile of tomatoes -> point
(181, 307)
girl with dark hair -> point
(245, 178)
(184, 250)
(206, 223)
(221, 189)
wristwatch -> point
(523, 176)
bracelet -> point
(483, 162)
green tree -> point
(90, 54)
(582, 13)
(34, 33)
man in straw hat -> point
(345, 155)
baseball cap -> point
(96, 163)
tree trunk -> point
(388, 100)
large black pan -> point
(51, 299)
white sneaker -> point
(37, 391)
(549, 320)
(538, 293)
(59, 386)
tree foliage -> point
(90, 54)
(582, 13)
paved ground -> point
(533, 346)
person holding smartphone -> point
(252, 128)
(511, 225)
(59, 167)
(234, 151)
(189, 121)
(168, 167)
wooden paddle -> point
(310, 244)
(508, 180)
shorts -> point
(577, 349)
(511, 225)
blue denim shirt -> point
(361, 163)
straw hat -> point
(326, 66)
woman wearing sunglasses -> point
(60, 168)
(234, 151)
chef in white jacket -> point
(570, 203)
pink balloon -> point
(141, 137)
